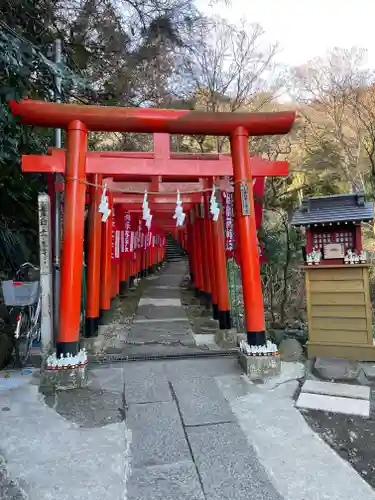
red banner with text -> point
(115, 240)
(127, 232)
(230, 229)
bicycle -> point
(24, 294)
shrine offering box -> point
(336, 271)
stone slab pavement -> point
(161, 326)
(336, 389)
(161, 333)
(334, 404)
(160, 293)
(184, 429)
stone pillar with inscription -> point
(45, 258)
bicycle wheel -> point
(25, 339)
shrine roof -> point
(336, 208)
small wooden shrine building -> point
(337, 276)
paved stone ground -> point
(181, 429)
(161, 326)
(155, 327)
(192, 429)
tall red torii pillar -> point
(79, 119)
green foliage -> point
(11, 253)
(281, 275)
(24, 72)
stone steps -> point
(335, 398)
(173, 251)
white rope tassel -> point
(103, 206)
(214, 207)
(148, 221)
(146, 212)
(179, 212)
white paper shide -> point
(268, 349)
(63, 363)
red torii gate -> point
(78, 120)
(161, 205)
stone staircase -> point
(174, 252)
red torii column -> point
(93, 256)
(106, 267)
(220, 269)
(211, 246)
(78, 119)
(72, 254)
(245, 215)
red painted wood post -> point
(123, 256)
(132, 253)
(151, 253)
(105, 266)
(162, 249)
(139, 254)
(72, 244)
(113, 280)
(133, 271)
(126, 224)
(117, 281)
(143, 254)
(198, 252)
(211, 251)
(358, 238)
(190, 247)
(224, 311)
(114, 263)
(123, 273)
(248, 247)
(93, 256)
(157, 250)
(147, 252)
(117, 259)
(205, 256)
(154, 249)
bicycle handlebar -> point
(27, 271)
(28, 264)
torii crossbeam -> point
(160, 162)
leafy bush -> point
(11, 252)
(282, 279)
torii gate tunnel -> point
(127, 198)
(78, 120)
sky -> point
(306, 29)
